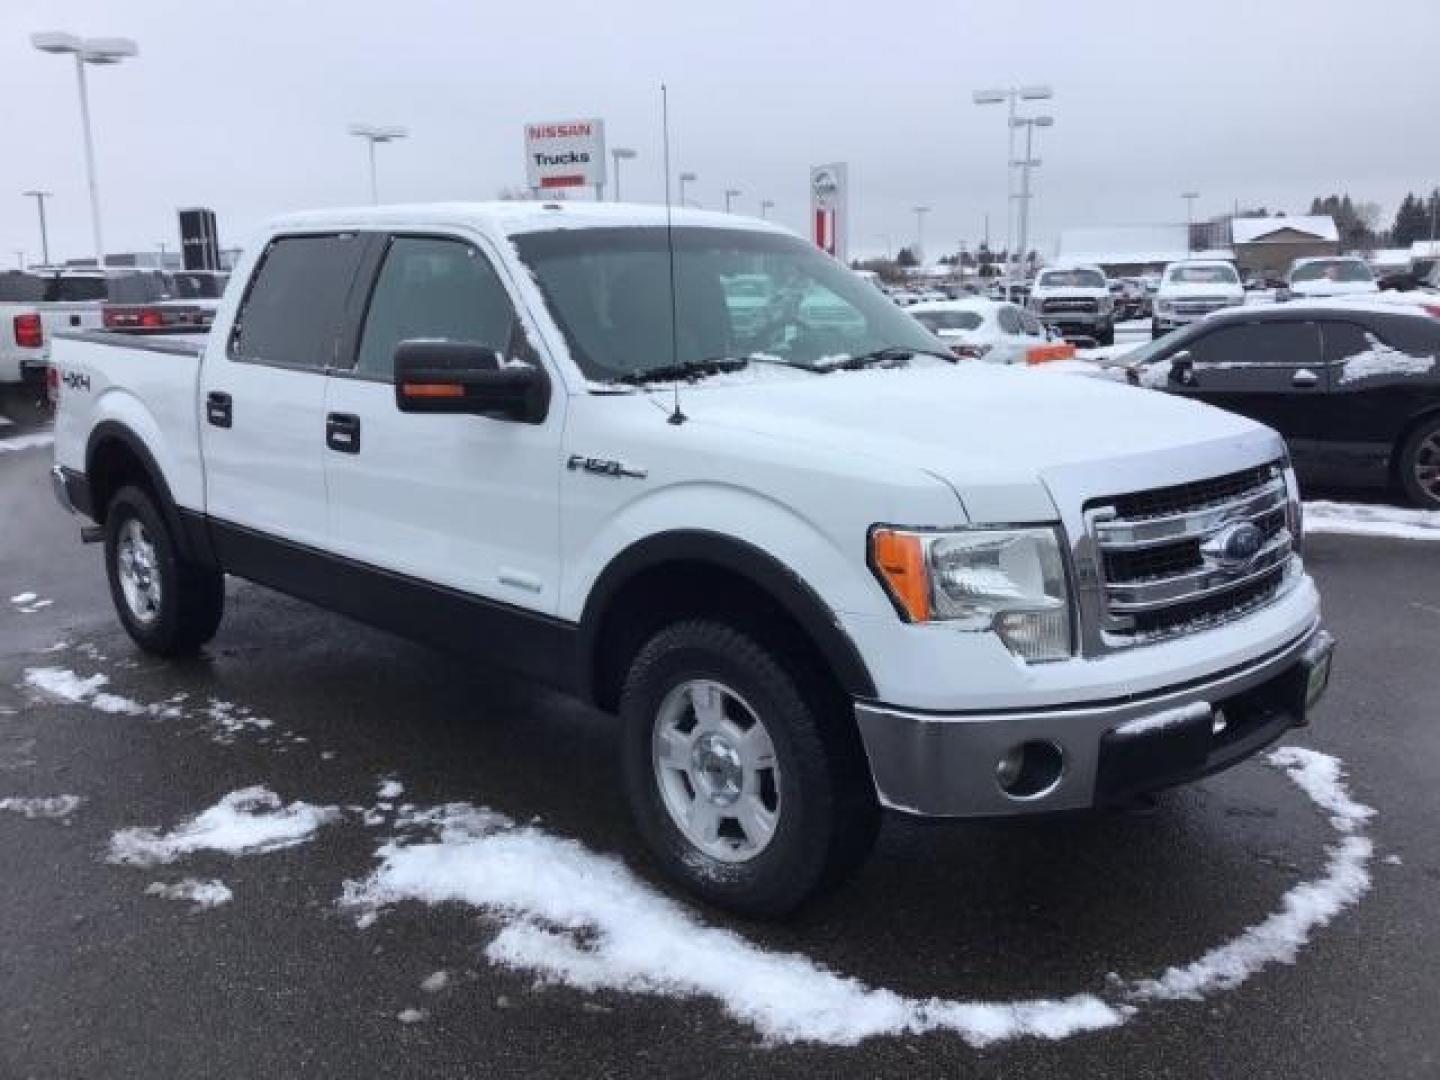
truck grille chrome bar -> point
(1176, 560)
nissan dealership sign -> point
(565, 154)
(829, 208)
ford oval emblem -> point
(1235, 546)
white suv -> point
(1192, 289)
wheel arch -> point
(695, 572)
(116, 457)
(1426, 414)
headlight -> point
(1009, 581)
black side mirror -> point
(460, 377)
(1182, 368)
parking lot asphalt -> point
(100, 979)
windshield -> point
(948, 320)
(609, 291)
(1072, 279)
(1332, 270)
(1203, 275)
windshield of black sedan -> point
(738, 293)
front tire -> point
(746, 786)
(1420, 465)
(168, 606)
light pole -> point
(1029, 123)
(19, 260)
(88, 51)
(731, 193)
(766, 205)
(920, 212)
(686, 178)
(372, 134)
(998, 97)
(1189, 197)
(40, 197)
(619, 154)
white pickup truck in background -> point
(814, 566)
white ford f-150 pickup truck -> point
(814, 566)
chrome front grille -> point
(1059, 307)
(1179, 559)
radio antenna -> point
(676, 416)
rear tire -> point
(1420, 465)
(809, 800)
(168, 606)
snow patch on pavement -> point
(575, 917)
(202, 894)
(49, 807)
(1306, 908)
(26, 442)
(1357, 519)
(250, 821)
(23, 598)
(67, 686)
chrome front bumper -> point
(945, 765)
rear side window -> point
(65, 289)
(437, 289)
(1261, 343)
(1010, 320)
(20, 288)
(1417, 335)
(294, 309)
(1344, 339)
(949, 320)
(139, 289)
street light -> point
(40, 197)
(88, 51)
(920, 212)
(372, 134)
(686, 178)
(1189, 197)
(731, 193)
(766, 205)
(1029, 123)
(999, 97)
(620, 154)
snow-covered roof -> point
(1425, 249)
(1124, 244)
(518, 216)
(1389, 257)
(1254, 230)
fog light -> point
(1029, 770)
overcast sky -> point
(243, 106)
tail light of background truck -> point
(29, 331)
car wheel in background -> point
(750, 789)
(168, 606)
(1420, 465)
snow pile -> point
(26, 442)
(51, 807)
(1354, 519)
(67, 686)
(1159, 721)
(23, 598)
(390, 789)
(1382, 359)
(583, 919)
(230, 720)
(1086, 368)
(1304, 909)
(202, 894)
(251, 820)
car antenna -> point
(676, 416)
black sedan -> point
(1355, 389)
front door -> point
(468, 502)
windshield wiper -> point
(686, 370)
(889, 356)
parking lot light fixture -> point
(766, 205)
(920, 212)
(372, 134)
(619, 154)
(40, 197)
(1189, 197)
(731, 193)
(686, 178)
(1001, 96)
(111, 50)
(1029, 123)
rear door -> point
(1269, 370)
(469, 502)
(262, 392)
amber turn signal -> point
(899, 560)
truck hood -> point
(1014, 445)
(1333, 288)
(1195, 291)
(1070, 292)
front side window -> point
(294, 309)
(737, 294)
(1259, 344)
(1332, 270)
(442, 290)
(1009, 318)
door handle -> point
(342, 432)
(1305, 378)
(218, 410)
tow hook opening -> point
(1030, 770)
